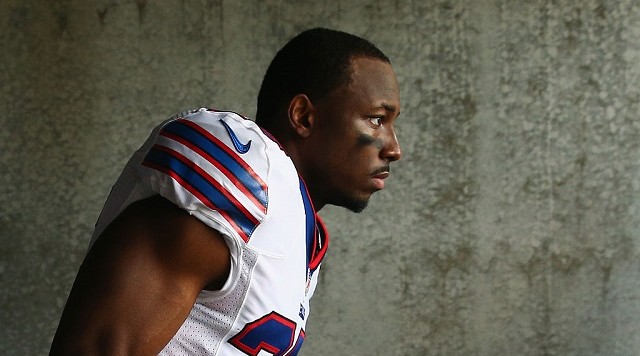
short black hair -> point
(313, 63)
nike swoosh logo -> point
(239, 146)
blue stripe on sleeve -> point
(204, 187)
(218, 154)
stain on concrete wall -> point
(510, 227)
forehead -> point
(374, 80)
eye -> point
(376, 121)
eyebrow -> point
(389, 107)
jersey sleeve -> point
(213, 165)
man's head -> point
(313, 63)
(331, 99)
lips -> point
(379, 176)
(382, 175)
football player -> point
(209, 242)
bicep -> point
(140, 280)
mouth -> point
(379, 176)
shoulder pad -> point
(214, 165)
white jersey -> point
(224, 170)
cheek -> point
(360, 155)
(366, 140)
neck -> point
(292, 146)
(292, 150)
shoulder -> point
(216, 165)
(208, 149)
(220, 132)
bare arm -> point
(138, 283)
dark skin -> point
(153, 257)
(141, 278)
(366, 140)
(344, 144)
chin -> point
(355, 205)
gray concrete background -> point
(512, 226)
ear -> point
(301, 115)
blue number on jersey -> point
(272, 333)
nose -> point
(391, 150)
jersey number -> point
(272, 333)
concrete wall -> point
(512, 226)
